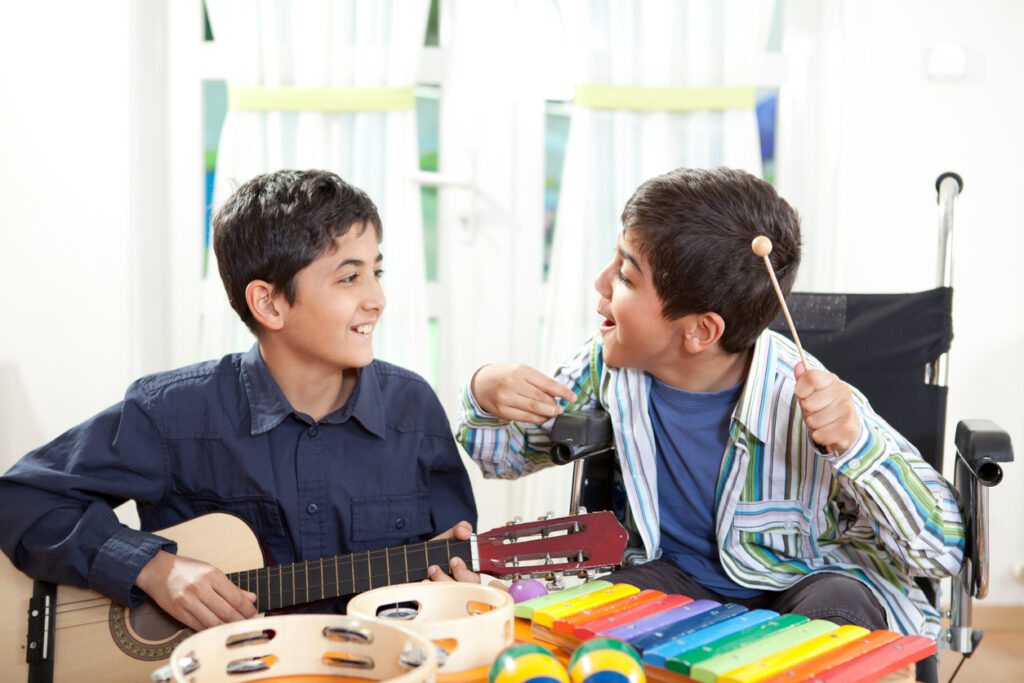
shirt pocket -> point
(389, 519)
(783, 526)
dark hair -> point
(694, 227)
(276, 224)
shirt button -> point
(312, 508)
(399, 523)
(313, 430)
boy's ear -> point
(259, 296)
(702, 331)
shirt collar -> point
(269, 407)
(751, 410)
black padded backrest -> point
(881, 343)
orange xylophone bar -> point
(723, 643)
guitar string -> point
(369, 556)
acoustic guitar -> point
(63, 633)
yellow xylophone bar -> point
(546, 616)
(790, 657)
(525, 609)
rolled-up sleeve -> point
(56, 504)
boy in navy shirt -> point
(321, 449)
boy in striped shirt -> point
(749, 478)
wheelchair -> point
(905, 382)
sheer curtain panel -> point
(327, 84)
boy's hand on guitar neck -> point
(518, 392)
(195, 593)
(459, 570)
(461, 531)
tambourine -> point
(309, 645)
(471, 623)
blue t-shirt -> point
(691, 431)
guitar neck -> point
(286, 585)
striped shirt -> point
(877, 511)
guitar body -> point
(96, 640)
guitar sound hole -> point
(404, 611)
(152, 623)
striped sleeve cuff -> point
(866, 452)
(473, 415)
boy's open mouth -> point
(607, 324)
(366, 328)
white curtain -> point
(323, 44)
(660, 43)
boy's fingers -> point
(813, 381)
(544, 408)
(528, 416)
(435, 574)
(551, 388)
(463, 573)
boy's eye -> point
(622, 278)
(349, 279)
(379, 273)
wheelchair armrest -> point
(983, 445)
(580, 434)
(980, 448)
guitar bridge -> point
(40, 623)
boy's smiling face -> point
(338, 302)
(634, 331)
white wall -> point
(64, 217)
(892, 130)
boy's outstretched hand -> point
(518, 392)
(828, 408)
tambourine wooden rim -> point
(304, 645)
(474, 623)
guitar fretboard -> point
(286, 585)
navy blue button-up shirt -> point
(383, 470)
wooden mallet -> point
(762, 246)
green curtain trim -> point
(321, 99)
(644, 98)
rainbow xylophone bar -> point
(683, 640)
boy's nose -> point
(376, 300)
(601, 282)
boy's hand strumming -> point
(829, 411)
(195, 593)
(518, 392)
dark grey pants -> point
(837, 598)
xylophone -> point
(680, 639)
